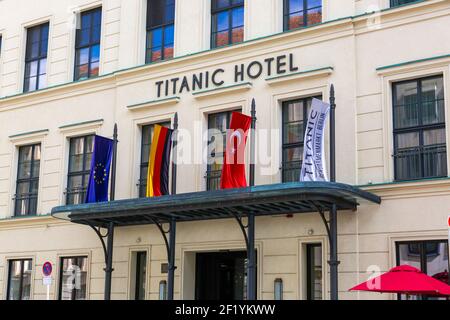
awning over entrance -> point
(275, 199)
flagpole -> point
(334, 262)
(114, 165)
(173, 222)
(251, 255)
(174, 155)
(252, 144)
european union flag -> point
(97, 190)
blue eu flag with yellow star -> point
(97, 190)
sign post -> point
(47, 269)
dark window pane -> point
(82, 56)
(431, 257)
(80, 156)
(219, 4)
(87, 54)
(147, 137)
(85, 20)
(221, 21)
(84, 36)
(42, 82)
(294, 114)
(160, 12)
(237, 35)
(314, 16)
(157, 37)
(221, 38)
(42, 66)
(95, 53)
(216, 144)
(395, 3)
(27, 180)
(156, 12)
(227, 23)
(96, 33)
(36, 58)
(314, 3)
(302, 13)
(168, 35)
(419, 129)
(237, 17)
(19, 280)
(296, 20)
(73, 278)
(314, 271)
(295, 5)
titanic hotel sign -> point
(273, 66)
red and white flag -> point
(233, 170)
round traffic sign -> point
(448, 221)
(47, 269)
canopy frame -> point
(236, 204)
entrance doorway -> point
(221, 276)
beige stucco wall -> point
(351, 48)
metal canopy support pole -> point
(109, 261)
(173, 222)
(251, 263)
(172, 267)
(112, 195)
(334, 262)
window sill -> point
(222, 90)
(321, 72)
(154, 103)
(411, 188)
(30, 219)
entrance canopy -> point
(274, 199)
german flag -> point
(159, 160)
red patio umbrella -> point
(405, 280)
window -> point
(220, 122)
(80, 155)
(36, 58)
(396, 3)
(160, 30)
(419, 129)
(27, 183)
(139, 276)
(1, 45)
(301, 13)
(146, 144)
(227, 22)
(295, 114)
(19, 279)
(73, 278)
(314, 271)
(87, 47)
(429, 256)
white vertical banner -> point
(314, 165)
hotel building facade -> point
(74, 68)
